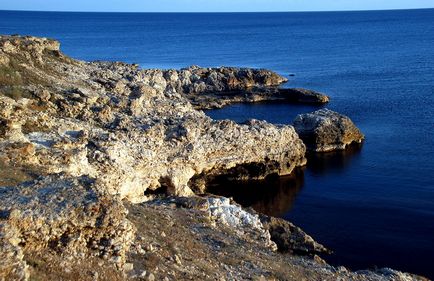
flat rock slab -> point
(300, 95)
(325, 130)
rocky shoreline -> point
(102, 165)
(209, 88)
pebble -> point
(128, 266)
(149, 248)
(177, 259)
(151, 277)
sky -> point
(210, 5)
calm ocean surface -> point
(373, 205)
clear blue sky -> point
(210, 5)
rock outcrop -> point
(197, 80)
(195, 238)
(290, 238)
(60, 214)
(129, 128)
(325, 130)
(208, 88)
(80, 142)
(213, 100)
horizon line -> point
(217, 12)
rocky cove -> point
(105, 166)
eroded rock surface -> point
(63, 215)
(131, 129)
(325, 130)
(196, 80)
(208, 88)
(92, 134)
(183, 239)
(290, 238)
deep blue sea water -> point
(374, 205)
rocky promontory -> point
(208, 88)
(129, 128)
(99, 162)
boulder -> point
(325, 130)
(290, 238)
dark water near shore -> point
(373, 205)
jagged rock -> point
(290, 238)
(325, 130)
(60, 214)
(100, 132)
(216, 87)
(223, 211)
(210, 100)
(223, 79)
(12, 265)
(208, 88)
(140, 133)
(225, 244)
(33, 48)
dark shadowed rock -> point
(325, 130)
(300, 95)
(259, 93)
(290, 238)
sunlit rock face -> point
(133, 130)
(79, 140)
(325, 130)
(208, 88)
(63, 214)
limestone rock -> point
(223, 211)
(224, 79)
(290, 238)
(325, 130)
(33, 47)
(90, 134)
(209, 88)
(134, 130)
(62, 214)
(230, 243)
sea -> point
(373, 205)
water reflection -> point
(273, 196)
(322, 163)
